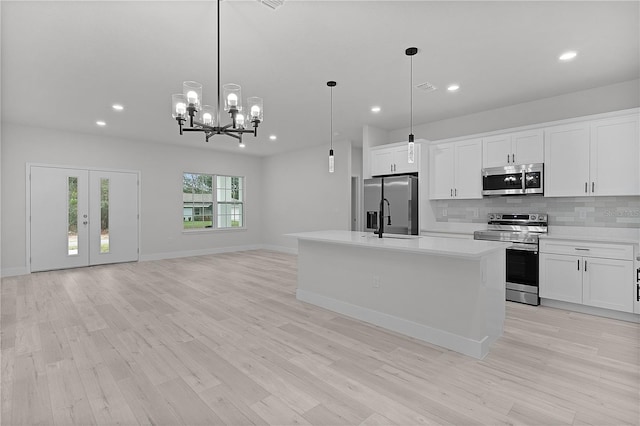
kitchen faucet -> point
(381, 216)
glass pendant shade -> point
(411, 152)
(178, 106)
(254, 106)
(232, 97)
(207, 115)
(240, 122)
(331, 162)
(192, 91)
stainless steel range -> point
(523, 230)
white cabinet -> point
(455, 170)
(615, 156)
(393, 160)
(593, 274)
(600, 157)
(513, 148)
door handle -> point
(593, 187)
(508, 159)
(578, 264)
(513, 158)
(452, 192)
(638, 293)
(586, 187)
(585, 265)
(455, 192)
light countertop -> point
(439, 246)
(594, 234)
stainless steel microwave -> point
(513, 180)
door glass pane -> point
(104, 215)
(72, 214)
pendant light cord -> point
(411, 94)
(218, 18)
(331, 118)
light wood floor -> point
(222, 340)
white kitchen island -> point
(445, 291)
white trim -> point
(591, 310)
(540, 125)
(281, 249)
(200, 252)
(14, 272)
(474, 348)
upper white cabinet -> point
(593, 158)
(455, 170)
(393, 160)
(513, 148)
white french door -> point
(82, 217)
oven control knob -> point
(491, 217)
(533, 216)
(543, 217)
(498, 216)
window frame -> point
(215, 222)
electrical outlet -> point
(475, 213)
(444, 212)
(376, 281)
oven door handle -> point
(524, 247)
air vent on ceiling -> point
(273, 4)
(426, 87)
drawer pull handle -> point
(582, 249)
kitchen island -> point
(445, 291)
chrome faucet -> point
(381, 216)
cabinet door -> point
(401, 159)
(561, 277)
(381, 162)
(468, 169)
(608, 283)
(496, 151)
(615, 156)
(528, 147)
(441, 171)
(566, 160)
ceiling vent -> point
(426, 87)
(273, 4)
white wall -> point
(593, 101)
(371, 136)
(299, 193)
(161, 167)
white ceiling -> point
(65, 63)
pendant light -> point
(331, 84)
(411, 148)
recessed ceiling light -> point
(453, 87)
(117, 107)
(567, 56)
(101, 123)
(375, 109)
(273, 137)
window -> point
(229, 201)
(200, 199)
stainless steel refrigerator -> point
(400, 194)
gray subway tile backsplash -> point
(615, 212)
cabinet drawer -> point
(588, 249)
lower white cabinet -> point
(585, 279)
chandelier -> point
(192, 116)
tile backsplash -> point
(614, 212)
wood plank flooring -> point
(222, 339)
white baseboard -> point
(473, 348)
(591, 310)
(200, 252)
(14, 272)
(281, 249)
